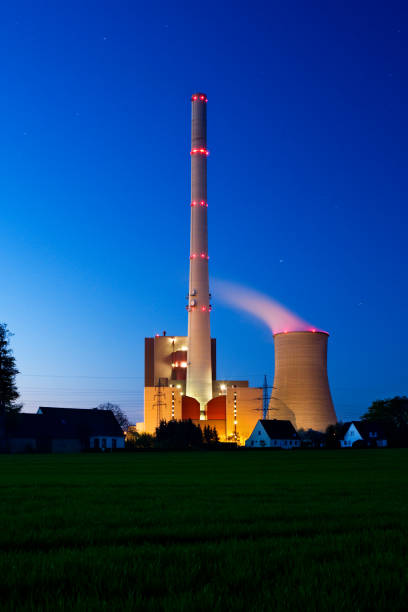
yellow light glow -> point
(183, 348)
(223, 387)
(178, 386)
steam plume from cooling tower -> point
(277, 317)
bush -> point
(136, 440)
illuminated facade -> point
(233, 409)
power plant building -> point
(233, 409)
(180, 371)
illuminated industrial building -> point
(180, 371)
(233, 409)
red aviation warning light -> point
(196, 97)
(202, 203)
(202, 256)
(199, 152)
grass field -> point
(196, 531)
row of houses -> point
(274, 433)
(74, 430)
(61, 430)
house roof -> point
(364, 428)
(92, 421)
(27, 425)
(66, 423)
(279, 430)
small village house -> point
(59, 430)
(364, 433)
(273, 433)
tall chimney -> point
(199, 375)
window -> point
(252, 442)
(103, 442)
(113, 443)
(96, 442)
(259, 432)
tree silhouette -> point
(333, 435)
(179, 435)
(210, 436)
(8, 372)
(134, 439)
(120, 416)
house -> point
(61, 430)
(312, 439)
(95, 428)
(273, 433)
(27, 432)
(366, 433)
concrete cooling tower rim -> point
(303, 331)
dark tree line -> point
(175, 435)
(185, 434)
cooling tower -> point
(301, 390)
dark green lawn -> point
(205, 531)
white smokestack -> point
(199, 374)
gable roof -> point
(27, 425)
(364, 428)
(279, 430)
(85, 421)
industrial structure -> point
(301, 392)
(180, 371)
(199, 371)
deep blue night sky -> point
(308, 134)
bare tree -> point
(120, 416)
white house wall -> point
(120, 442)
(350, 437)
(260, 439)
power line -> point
(83, 376)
